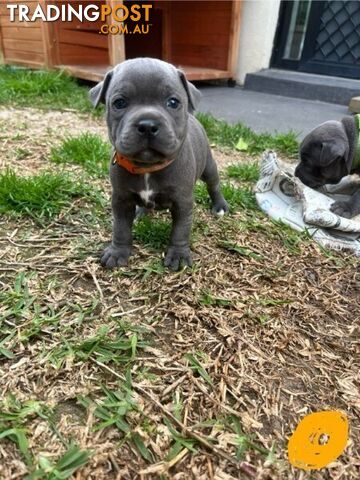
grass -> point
(246, 172)
(119, 348)
(18, 436)
(222, 133)
(21, 153)
(40, 196)
(66, 465)
(13, 418)
(237, 197)
(194, 360)
(290, 238)
(58, 91)
(207, 298)
(244, 443)
(118, 344)
(88, 150)
(32, 320)
(179, 442)
(113, 410)
(154, 267)
(152, 232)
(42, 89)
(275, 231)
(240, 250)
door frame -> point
(282, 30)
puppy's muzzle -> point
(310, 182)
(297, 172)
(148, 127)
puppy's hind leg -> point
(211, 177)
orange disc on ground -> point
(318, 440)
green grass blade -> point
(18, 436)
(143, 450)
(196, 365)
(71, 461)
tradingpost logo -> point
(117, 19)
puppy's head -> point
(147, 106)
(324, 155)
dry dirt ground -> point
(230, 355)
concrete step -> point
(303, 85)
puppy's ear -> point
(193, 94)
(98, 93)
(331, 151)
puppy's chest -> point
(151, 194)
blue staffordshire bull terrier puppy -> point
(160, 150)
(327, 154)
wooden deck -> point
(95, 73)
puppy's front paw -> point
(176, 256)
(343, 209)
(220, 208)
(115, 257)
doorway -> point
(319, 37)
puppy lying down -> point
(330, 152)
(284, 197)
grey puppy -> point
(327, 154)
(160, 150)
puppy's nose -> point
(148, 127)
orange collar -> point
(132, 168)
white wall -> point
(257, 31)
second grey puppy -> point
(160, 151)
(327, 154)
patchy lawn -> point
(145, 373)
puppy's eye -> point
(120, 103)
(173, 102)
